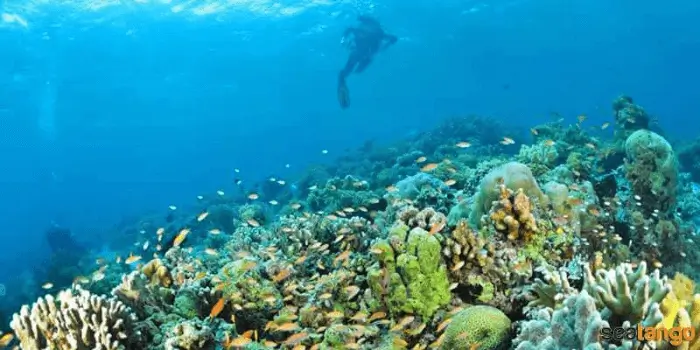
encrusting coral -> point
(76, 320)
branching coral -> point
(513, 176)
(626, 295)
(483, 264)
(512, 215)
(78, 320)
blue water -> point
(107, 113)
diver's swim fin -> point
(343, 95)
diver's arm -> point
(389, 40)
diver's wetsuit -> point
(368, 39)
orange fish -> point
(437, 227)
(181, 237)
(429, 167)
(216, 309)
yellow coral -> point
(157, 273)
(512, 215)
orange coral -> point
(512, 215)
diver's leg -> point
(362, 64)
(349, 67)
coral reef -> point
(444, 240)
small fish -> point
(217, 308)
(549, 143)
(220, 192)
(391, 188)
(443, 325)
(421, 159)
(437, 227)
(429, 167)
(6, 339)
(215, 231)
(534, 131)
(604, 126)
(282, 275)
(450, 182)
(253, 196)
(172, 207)
(132, 259)
(200, 197)
(507, 141)
(181, 237)
(377, 316)
(47, 285)
(202, 216)
(295, 338)
(211, 251)
(463, 144)
(287, 327)
(458, 266)
(273, 202)
(295, 206)
(253, 222)
(581, 118)
(160, 231)
(590, 145)
(325, 151)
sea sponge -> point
(482, 327)
(416, 281)
(652, 170)
(513, 176)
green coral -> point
(481, 326)
(410, 276)
(186, 303)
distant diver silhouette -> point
(367, 39)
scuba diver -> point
(367, 39)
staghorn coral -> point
(548, 292)
(577, 325)
(482, 327)
(626, 295)
(409, 276)
(76, 320)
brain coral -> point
(483, 327)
